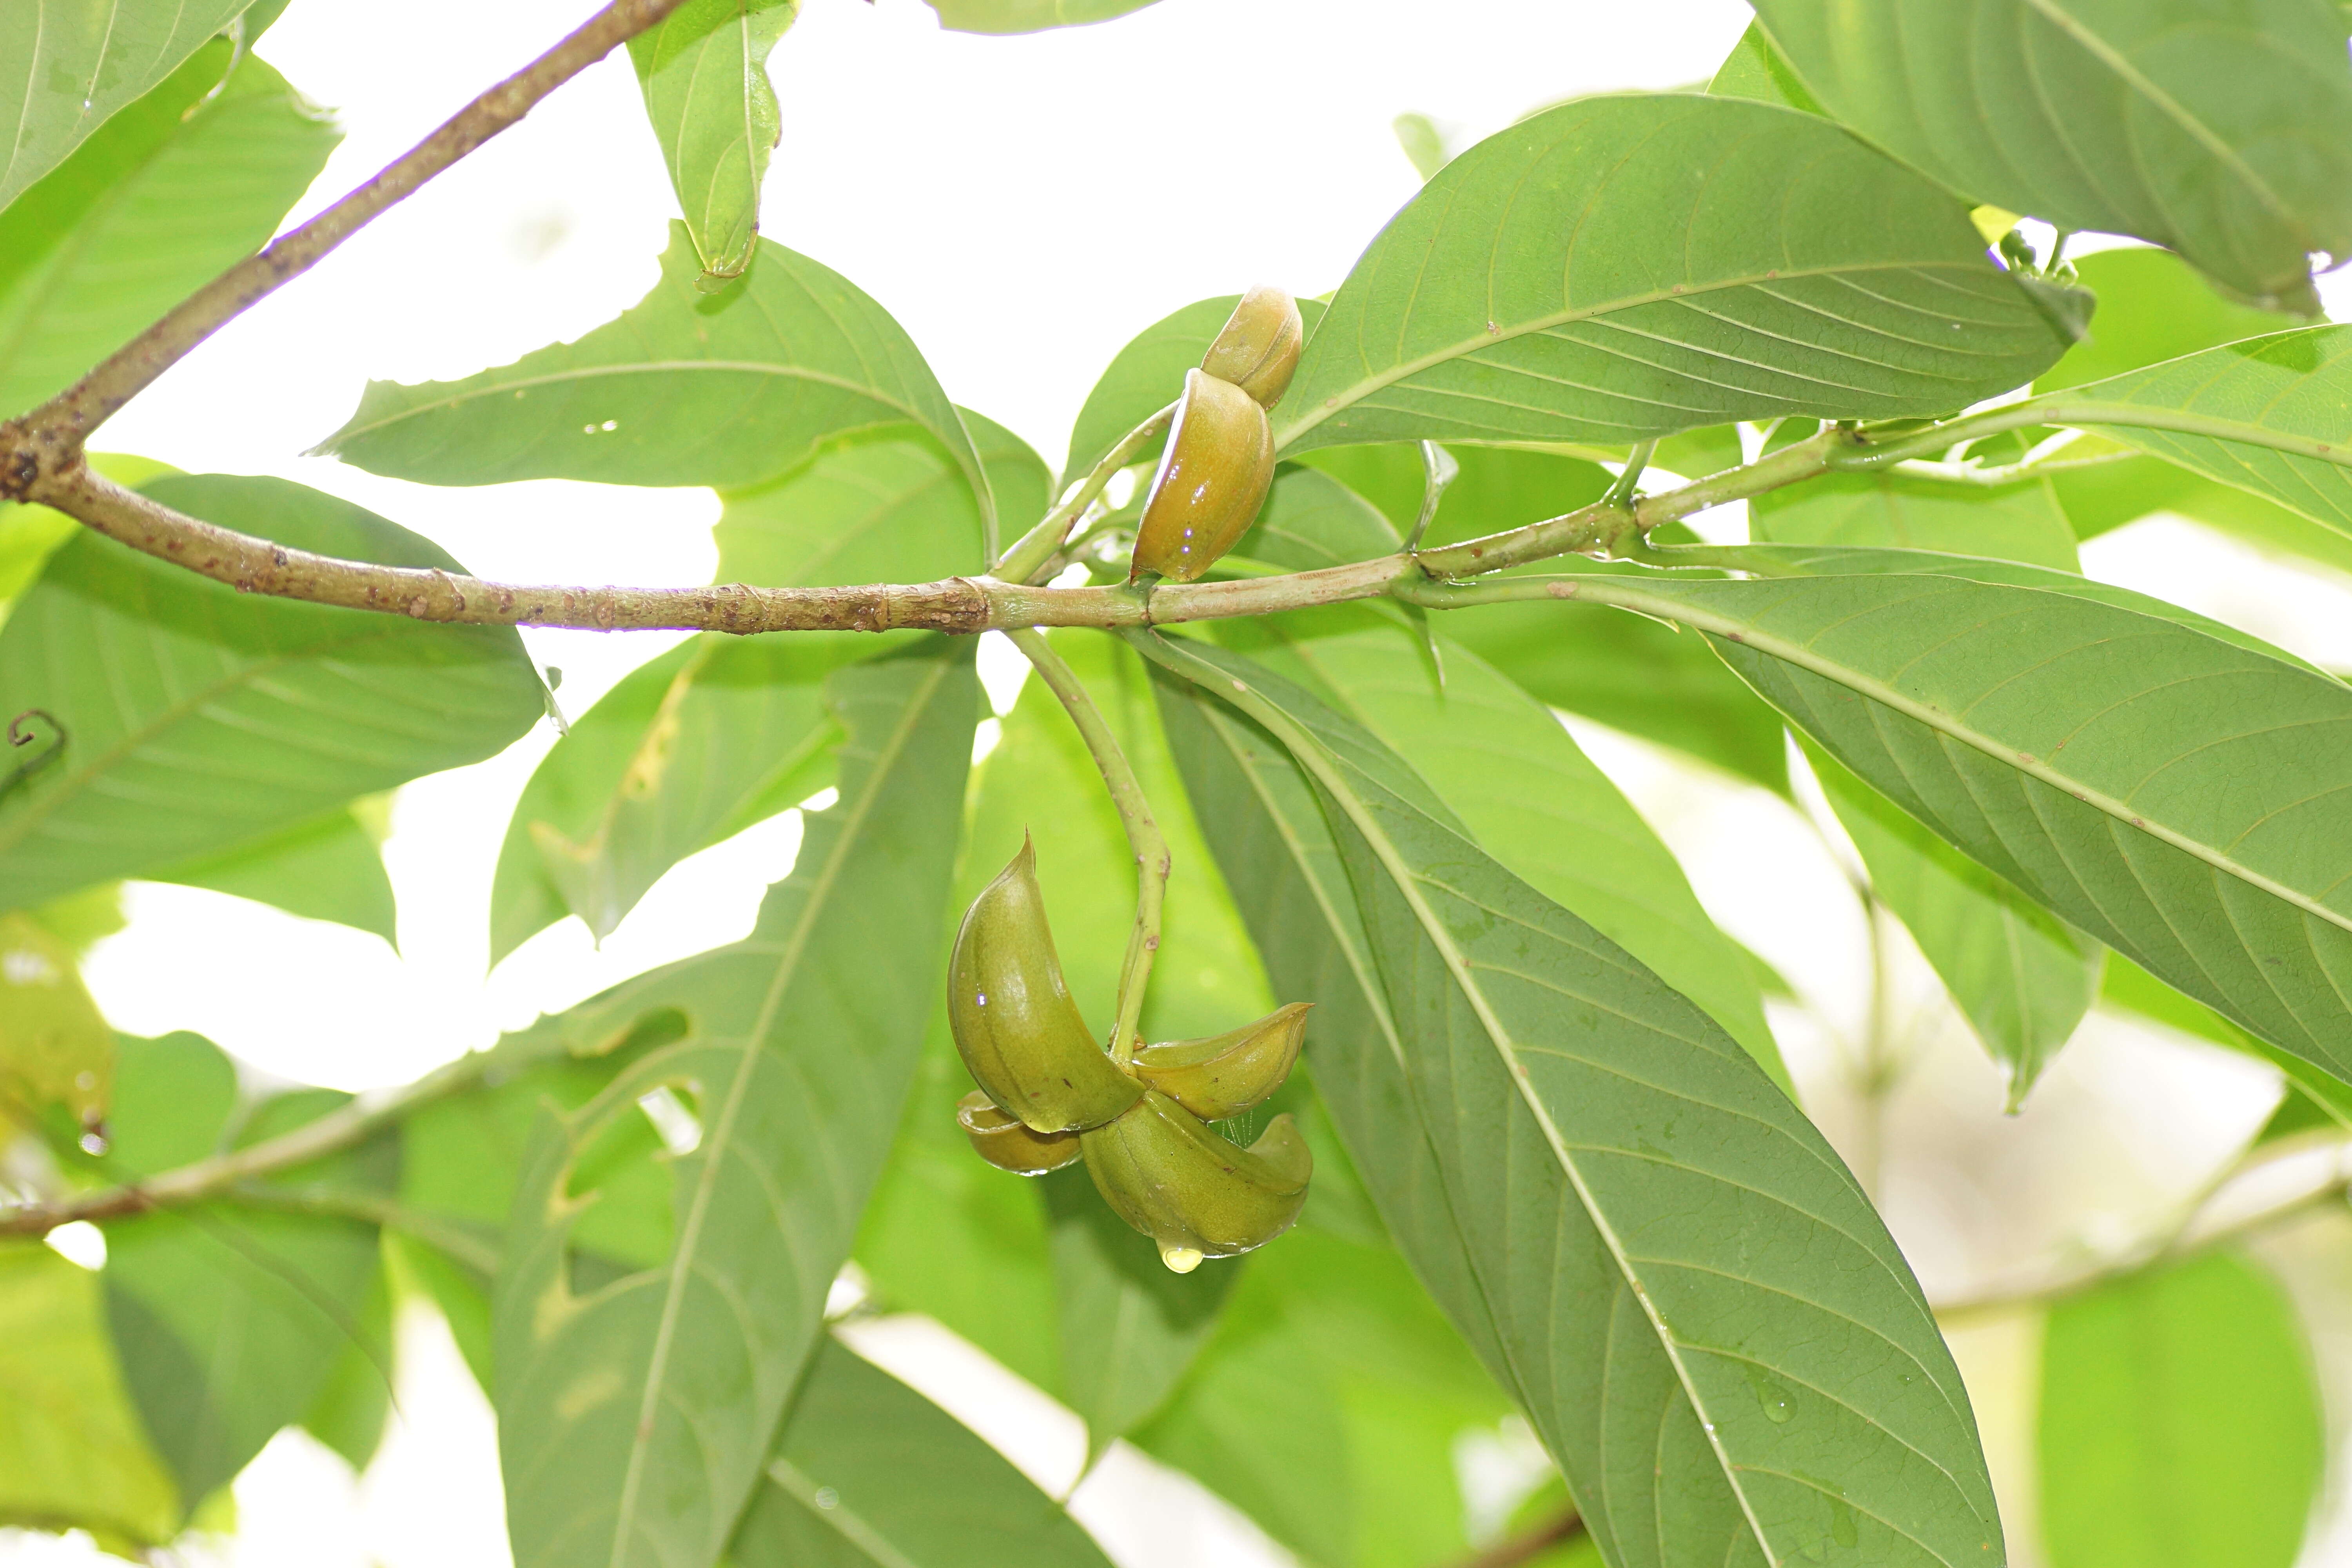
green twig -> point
(1627, 485)
(1036, 547)
(1134, 813)
(214, 1177)
(442, 1235)
(1439, 469)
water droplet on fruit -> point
(1180, 1259)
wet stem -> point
(1143, 835)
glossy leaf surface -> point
(704, 73)
(684, 388)
(198, 718)
(2224, 132)
(74, 64)
(2180, 1421)
(635, 1412)
(867, 1473)
(1689, 1294)
(1635, 265)
(171, 191)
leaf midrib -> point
(1349, 396)
(1746, 632)
(1311, 754)
(722, 1133)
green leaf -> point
(2023, 977)
(950, 1235)
(191, 178)
(1692, 1300)
(2266, 416)
(328, 868)
(1027, 16)
(2222, 133)
(71, 1451)
(1631, 674)
(356, 1403)
(1522, 789)
(2167, 791)
(80, 61)
(868, 510)
(1130, 1327)
(2019, 521)
(1327, 1408)
(867, 1473)
(198, 718)
(55, 1046)
(1635, 265)
(704, 73)
(717, 735)
(2132, 989)
(1755, 69)
(2181, 1422)
(231, 1321)
(636, 1413)
(1147, 375)
(2152, 307)
(684, 388)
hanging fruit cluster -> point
(1049, 1095)
(1219, 460)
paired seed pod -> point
(1219, 460)
(1224, 1075)
(1172, 1177)
(1014, 1024)
(1006, 1143)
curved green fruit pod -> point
(1224, 1075)
(1257, 348)
(1166, 1172)
(1211, 480)
(1005, 1143)
(1014, 1024)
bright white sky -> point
(1019, 204)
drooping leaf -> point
(1691, 1297)
(1328, 1406)
(635, 1411)
(74, 63)
(1147, 374)
(187, 180)
(72, 1454)
(2018, 521)
(1755, 69)
(2224, 132)
(328, 868)
(1027, 16)
(230, 1319)
(735, 388)
(198, 718)
(867, 1473)
(2272, 417)
(1531, 799)
(2181, 1422)
(356, 1403)
(2166, 790)
(55, 1046)
(2023, 977)
(1635, 265)
(704, 72)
